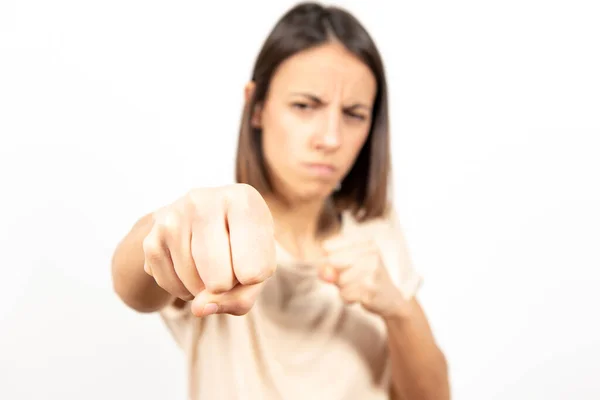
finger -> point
(157, 261)
(155, 254)
(211, 253)
(147, 268)
(251, 237)
(329, 274)
(343, 277)
(178, 242)
(351, 294)
(237, 301)
(351, 276)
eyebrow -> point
(317, 100)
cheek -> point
(282, 138)
(354, 143)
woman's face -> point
(315, 120)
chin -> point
(306, 190)
(314, 191)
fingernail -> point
(209, 309)
(329, 274)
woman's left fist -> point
(354, 265)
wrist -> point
(399, 310)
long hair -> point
(364, 190)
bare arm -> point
(195, 249)
(132, 284)
(358, 268)
(419, 370)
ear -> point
(249, 89)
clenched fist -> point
(354, 265)
(214, 247)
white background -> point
(110, 109)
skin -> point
(213, 246)
(318, 110)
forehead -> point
(327, 71)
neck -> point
(296, 226)
(295, 219)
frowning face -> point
(315, 119)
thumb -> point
(329, 274)
(237, 301)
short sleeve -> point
(396, 256)
(179, 320)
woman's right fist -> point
(214, 247)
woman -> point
(295, 282)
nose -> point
(330, 136)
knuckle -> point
(160, 282)
(367, 298)
(269, 270)
(147, 245)
(181, 292)
(369, 286)
(266, 270)
(252, 276)
(247, 200)
(245, 191)
(348, 298)
(186, 297)
(247, 278)
(217, 286)
(203, 205)
(191, 203)
(152, 250)
(240, 197)
(198, 199)
(171, 223)
(154, 260)
(173, 289)
(368, 293)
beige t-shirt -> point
(300, 340)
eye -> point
(301, 106)
(356, 116)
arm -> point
(419, 369)
(132, 284)
(183, 251)
(363, 271)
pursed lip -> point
(320, 169)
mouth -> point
(322, 170)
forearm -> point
(419, 369)
(132, 284)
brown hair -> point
(364, 190)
